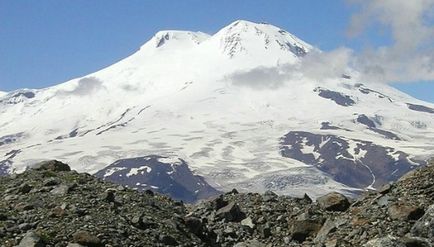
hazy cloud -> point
(260, 78)
(85, 86)
(315, 65)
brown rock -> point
(53, 165)
(301, 229)
(87, 239)
(404, 211)
(333, 202)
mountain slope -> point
(54, 206)
(226, 106)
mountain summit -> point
(219, 111)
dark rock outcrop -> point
(174, 178)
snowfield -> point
(222, 104)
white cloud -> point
(85, 86)
(411, 55)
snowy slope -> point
(205, 99)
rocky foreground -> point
(53, 206)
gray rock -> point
(388, 241)
(51, 182)
(168, 240)
(333, 202)
(416, 242)
(385, 189)
(75, 245)
(61, 190)
(230, 213)
(25, 226)
(328, 227)
(269, 196)
(194, 225)
(108, 196)
(424, 227)
(250, 243)
(25, 188)
(301, 229)
(248, 222)
(30, 239)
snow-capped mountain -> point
(221, 105)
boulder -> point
(301, 229)
(61, 190)
(86, 238)
(248, 222)
(388, 241)
(52, 165)
(404, 211)
(424, 227)
(250, 243)
(231, 213)
(333, 202)
(30, 239)
(194, 224)
(416, 242)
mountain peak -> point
(165, 37)
(243, 36)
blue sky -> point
(46, 42)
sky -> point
(46, 42)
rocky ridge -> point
(50, 205)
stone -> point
(388, 241)
(248, 222)
(231, 213)
(328, 227)
(333, 202)
(385, 189)
(74, 245)
(301, 229)
(61, 190)
(30, 239)
(269, 196)
(424, 227)
(108, 196)
(416, 242)
(25, 188)
(383, 201)
(25, 226)
(149, 192)
(142, 222)
(194, 225)
(250, 243)
(52, 165)
(404, 211)
(51, 182)
(234, 192)
(306, 198)
(219, 203)
(168, 240)
(265, 232)
(86, 238)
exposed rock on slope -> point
(172, 178)
(51, 206)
